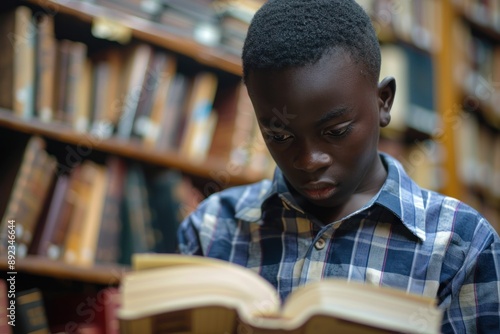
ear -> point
(386, 93)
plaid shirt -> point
(405, 237)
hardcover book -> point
(172, 293)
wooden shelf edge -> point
(97, 274)
(148, 31)
(122, 148)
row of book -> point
(478, 71)
(415, 22)
(414, 105)
(219, 23)
(134, 92)
(478, 146)
(477, 126)
(477, 163)
(96, 213)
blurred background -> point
(117, 117)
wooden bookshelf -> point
(41, 266)
(124, 148)
(447, 97)
(146, 31)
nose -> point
(311, 160)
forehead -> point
(334, 79)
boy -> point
(336, 206)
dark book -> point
(137, 234)
(30, 313)
(166, 207)
(137, 62)
(75, 83)
(108, 244)
(159, 109)
(63, 51)
(54, 246)
(171, 122)
(107, 85)
(6, 317)
(45, 63)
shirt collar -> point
(399, 194)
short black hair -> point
(294, 33)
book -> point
(54, 211)
(84, 226)
(137, 234)
(17, 63)
(171, 121)
(137, 60)
(108, 243)
(31, 188)
(83, 311)
(200, 120)
(106, 89)
(180, 293)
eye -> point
(341, 132)
(277, 137)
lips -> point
(318, 191)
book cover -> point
(54, 211)
(134, 80)
(199, 117)
(137, 234)
(108, 244)
(31, 188)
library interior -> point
(131, 112)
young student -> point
(337, 207)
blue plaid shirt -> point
(405, 237)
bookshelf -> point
(125, 149)
(457, 152)
(41, 266)
(81, 162)
(476, 74)
(434, 154)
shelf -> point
(98, 274)
(480, 27)
(121, 148)
(146, 31)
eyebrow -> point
(333, 114)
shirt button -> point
(320, 244)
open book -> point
(170, 293)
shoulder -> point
(454, 215)
(228, 202)
(429, 210)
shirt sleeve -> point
(474, 304)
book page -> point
(191, 282)
(380, 307)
